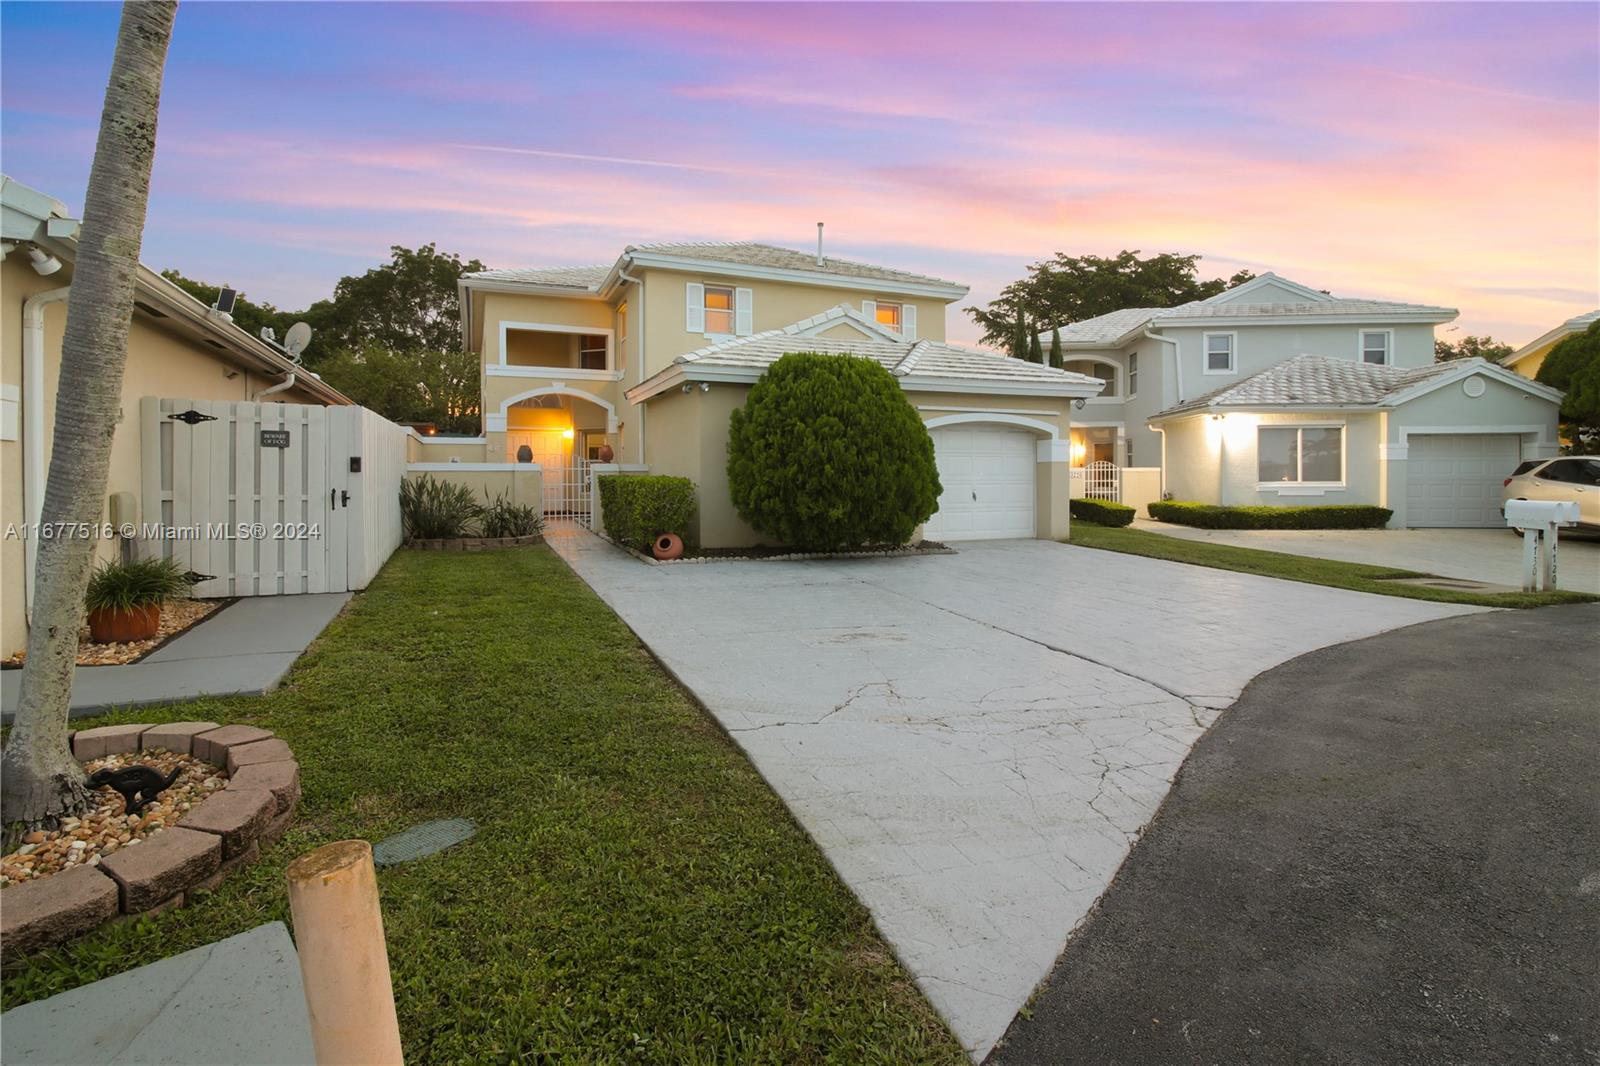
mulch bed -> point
(106, 827)
(765, 552)
(176, 616)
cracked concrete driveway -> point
(973, 740)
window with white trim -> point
(889, 315)
(1219, 353)
(622, 322)
(592, 352)
(1300, 455)
(719, 309)
(1375, 345)
(1133, 374)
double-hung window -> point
(719, 309)
(592, 352)
(1300, 455)
(1375, 345)
(1133, 374)
(1219, 352)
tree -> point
(1019, 336)
(1573, 366)
(416, 385)
(1470, 347)
(827, 453)
(1035, 353)
(1068, 289)
(1056, 358)
(407, 304)
(42, 781)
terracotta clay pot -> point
(605, 453)
(667, 546)
(116, 625)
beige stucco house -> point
(176, 348)
(1274, 393)
(637, 366)
(1527, 359)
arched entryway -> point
(564, 431)
(988, 469)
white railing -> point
(1102, 481)
(568, 492)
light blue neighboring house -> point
(1276, 393)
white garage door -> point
(987, 472)
(1455, 479)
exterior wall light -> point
(44, 264)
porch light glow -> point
(1078, 451)
(566, 434)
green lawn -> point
(1357, 576)
(635, 890)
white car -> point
(1569, 477)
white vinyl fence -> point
(268, 499)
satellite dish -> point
(296, 339)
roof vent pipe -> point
(819, 244)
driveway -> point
(1489, 555)
(974, 740)
(1385, 852)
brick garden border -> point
(473, 544)
(220, 834)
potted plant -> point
(124, 599)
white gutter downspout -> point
(1177, 361)
(33, 425)
(282, 386)
(639, 377)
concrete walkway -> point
(1489, 555)
(239, 1001)
(1384, 852)
(973, 740)
(244, 649)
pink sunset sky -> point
(1440, 153)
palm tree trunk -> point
(42, 781)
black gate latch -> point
(193, 417)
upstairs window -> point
(889, 315)
(591, 352)
(622, 322)
(719, 309)
(898, 318)
(1219, 353)
(1375, 344)
(1133, 374)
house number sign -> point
(274, 438)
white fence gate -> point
(568, 491)
(268, 499)
(1102, 481)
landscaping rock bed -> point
(106, 863)
(176, 616)
(474, 544)
(766, 554)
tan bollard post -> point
(338, 932)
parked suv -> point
(1571, 477)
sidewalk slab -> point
(244, 650)
(238, 1001)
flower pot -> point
(117, 625)
(605, 454)
(667, 546)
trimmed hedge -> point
(827, 454)
(638, 508)
(1211, 516)
(1101, 512)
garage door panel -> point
(987, 473)
(1454, 480)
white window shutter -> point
(908, 322)
(869, 308)
(744, 303)
(694, 310)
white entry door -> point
(1455, 479)
(988, 476)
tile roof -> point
(905, 359)
(738, 253)
(1317, 381)
(752, 253)
(1230, 305)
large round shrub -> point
(827, 453)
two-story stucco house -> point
(1273, 393)
(1527, 359)
(637, 365)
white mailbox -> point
(1539, 521)
(1523, 514)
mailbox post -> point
(1539, 520)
